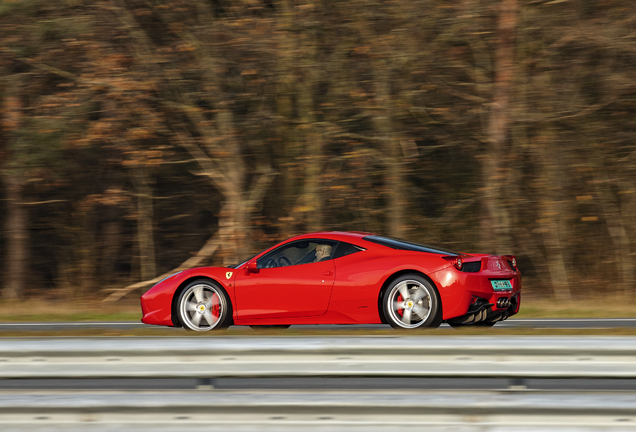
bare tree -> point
(496, 223)
(16, 222)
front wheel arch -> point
(174, 311)
(389, 282)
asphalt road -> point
(545, 323)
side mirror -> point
(251, 267)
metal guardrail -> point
(213, 403)
(215, 357)
(205, 358)
(369, 412)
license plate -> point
(501, 285)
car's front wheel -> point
(204, 306)
(411, 301)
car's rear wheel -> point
(411, 301)
(204, 306)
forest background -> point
(143, 136)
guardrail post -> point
(517, 384)
(205, 384)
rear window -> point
(406, 245)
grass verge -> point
(39, 310)
(591, 306)
(42, 310)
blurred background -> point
(143, 136)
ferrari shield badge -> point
(228, 275)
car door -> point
(287, 284)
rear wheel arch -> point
(174, 310)
(389, 281)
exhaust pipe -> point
(503, 302)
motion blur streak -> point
(141, 138)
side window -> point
(298, 252)
(345, 249)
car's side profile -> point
(341, 278)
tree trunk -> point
(289, 147)
(231, 228)
(307, 77)
(233, 220)
(145, 233)
(555, 213)
(311, 187)
(383, 124)
(496, 224)
(628, 210)
(111, 246)
(16, 232)
(616, 222)
(86, 252)
(545, 245)
(17, 238)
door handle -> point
(327, 273)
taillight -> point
(512, 262)
(458, 263)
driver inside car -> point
(323, 251)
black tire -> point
(203, 306)
(421, 308)
(270, 327)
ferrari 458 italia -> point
(341, 278)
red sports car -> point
(341, 278)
